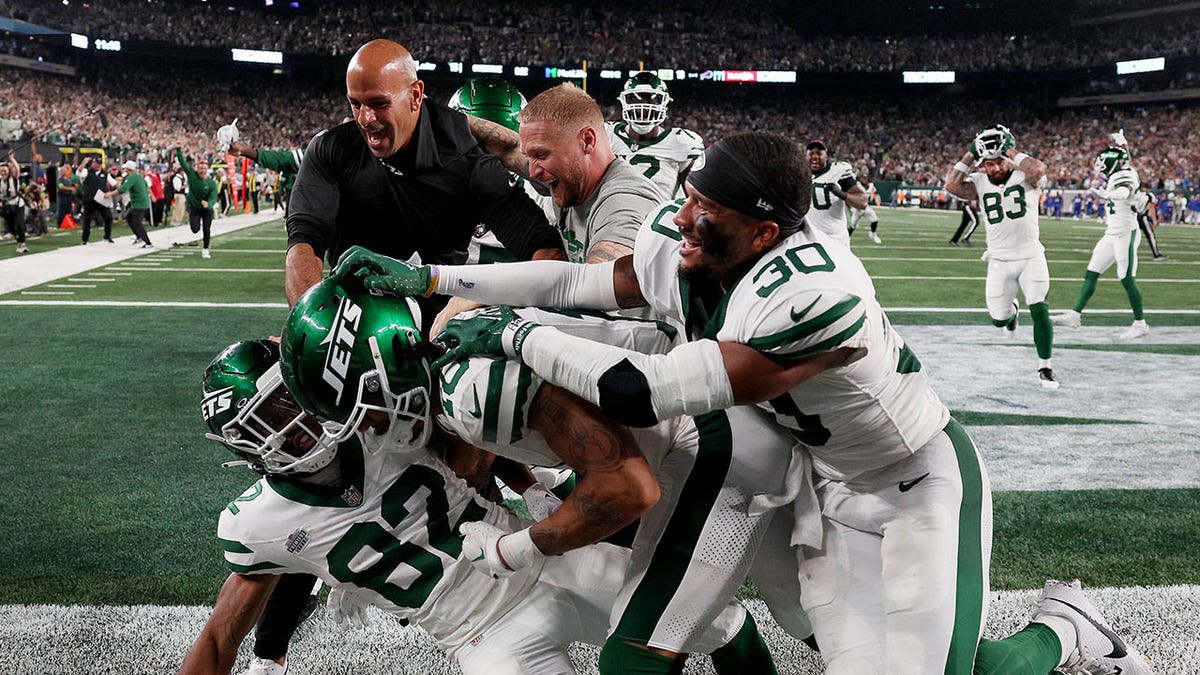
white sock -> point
(1043, 363)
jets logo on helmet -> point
(217, 402)
(644, 102)
(371, 347)
(1111, 160)
(341, 343)
(491, 99)
(248, 410)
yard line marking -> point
(45, 293)
(968, 310)
(1054, 279)
(70, 285)
(89, 279)
(115, 274)
(138, 303)
(205, 269)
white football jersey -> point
(485, 401)
(828, 211)
(806, 296)
(871, 192)
(1120, 216)
(391, 531)
(1010, 216)
(662, 159)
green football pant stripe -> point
(745, 653)
(969, 589)
(675, 549)
(1043, 329)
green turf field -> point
(112, 493)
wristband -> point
(962, 168)
(514, 334)
(1020, 157)
(517, 550)
(433, 281)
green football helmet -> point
(247, 409)
(1111, 160)
(346, 353)
(644, 102)
(491, 98)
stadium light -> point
(79, 41)
(1141, 66)
(928, 77)
(257, 56)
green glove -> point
(381, 274)
(495, 331)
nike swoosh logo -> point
(907, 485)
(477, 411)
(796, 316)
(1118, 650)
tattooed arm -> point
(500, 141)
(239, 605)
(616, 485)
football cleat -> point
(1098, 649)
(1159, 258)
(265, 667)
(1011, 326)
(22, 248)
(874, 238)
(205, 254)
(1069, 318)
(1046, 377)
(1139, 329)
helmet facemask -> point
(273, 435)
(407, 413)
(644, 107)
(1110, 161)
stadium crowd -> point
(910, 140)
(711, 35)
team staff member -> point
(404, 177)
(95, 181)
(286, 162)
(201, 193)
(135, 186)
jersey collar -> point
(347, 494)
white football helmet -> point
(644, 102)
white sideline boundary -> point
(26, 271)
(1161, 622)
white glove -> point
(495, 553)
(227, 134)
(346, 606)
(540, 501)
(1119, 138)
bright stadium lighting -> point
(107, 45)
(257, 56)
(521, 71)
(80, 41)
(929, 77)
(455, 66)
(488, 68)
(1141, 66)
(610, 74)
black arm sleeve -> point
(517, 221)
(847, 183)
(312, 211)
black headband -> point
(728, 179)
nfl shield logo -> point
(352, 496)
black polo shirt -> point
(426, 199)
